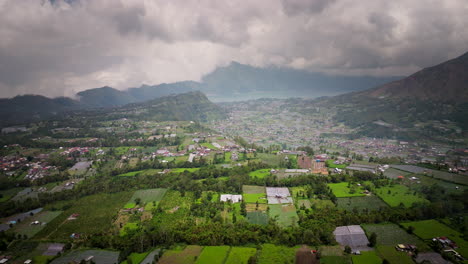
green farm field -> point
(253, 189)
(240, 255)
(272, 254)
(366, 257)
(285, 214)
(391, 234)
(330, 163)
(360, 203)
(95, 213)
(397, 194)
(136, 258)
(429, 229)
(393, 256)
(213, 255)
(260, 173)
(255, 197)
(45, 217)
(342, 190)
(258, 218)
(178, 256)
(335, 260)
(149, 195)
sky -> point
(61, 47)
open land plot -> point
(393, 256)
(128, 227)
(100, 257)
(258, 218)
(149, 195)
(253, 189)
(186, 256)
(443, 175)
(343, 190)
(427, 181)
(136, 257)
(284, 213)
(317, 203)
(29, 229)
(255, 197)
(174, 199)
(253, 207)
(260, 173)
(331, 251)
(393, 173)
(366, 257)
(330, 163)
(397, 194)
(270, 159)
(95, 213)
(298, 192)
(429, 229)
(180, 170)
(140, 172)
(370, 202)
(303, 202)
(5, 195)
(391, 235)
(240, 255)
(335, 260)
(213, 255)
(272, 254)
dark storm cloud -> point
(61, 47)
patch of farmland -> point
(180, 170)
(429, 229)
(443, 175)
(213, 255)
(305, 203)
(331, 251)
(343, 189)
(397, 194)
(99, 257)
(240, 255)
(270, 159)
(366, 257)
(260, 173)
(284, 213)
(393, 173)
(29, 229)
(258, 218)
(335, 260)
(253, 207)
(136, 258)
(128, 227)
(254, 198)
(253, 189)
(149, 195)
(95, 213)
(371, 202)
(272, 254)
(429, 181)
(393, 256)
(318, 203)
(174, 199)
(186, 256)
(391, 235)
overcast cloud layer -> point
(61, 48)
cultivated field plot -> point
(150, 195)
(258, 218)
(393, 256)
(370, 202)
(335, 260)
(253, 189)
(100, 257)
(429, 229)
(393, 173)
(255, 197)
(331, 251)
(397, 194)
(180, 170)
(29, 229)
(186, 256)
(366, 257)
(260, 173)
(140, 172)
(427, 181)
(317, 203)
(213, 255)
(136, 257)
(306, 203)
(343, 190)
(272, 254)
(353, 236)
(270, 159)
(284, 213)
(240, 255)
(453, 177)
(391, 235)
(94, 215)
(278, 195)
(250, 207)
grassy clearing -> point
(208, 145)
(255, 197)
(285, 214)
(95, 213)
(366, 257)
(186, 256)
(128, 227)
(270, 159)
(5, 195)
(397, 194)
(429, 229)
(393, 256)
(272, 254)
(44, 217)
(140, 172)
(213, 255)
(335, 260)
(149, 195)
(129, 205)
(260, 173)
(258, 218)
(360, 203)
(136, 258)
(306, 203)
(240, 255)
(343, 190)
(180, 170)
(327, 251)
(317, 203)
(391, 234)
(253, 189)
(330, 163)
